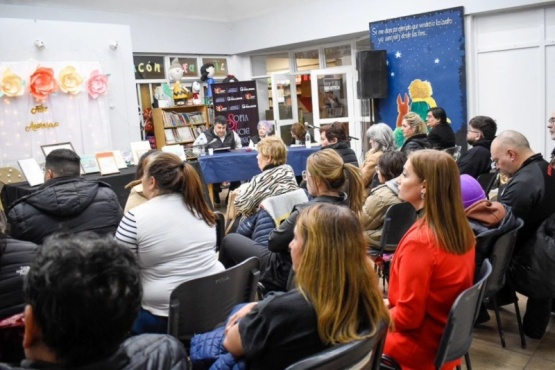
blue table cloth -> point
(239, 165)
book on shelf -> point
(170, 135)
(184, 133)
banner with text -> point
(426, 66)
(237, 102)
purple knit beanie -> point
(471, 191)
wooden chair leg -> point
(499, 327)
(519, 322)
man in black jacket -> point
(83, 293)
(481, 132)
(530, 193)
(65, 202)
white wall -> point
(512, 78)
(82, 42)
(149, 34)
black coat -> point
(142, 352)
(477, 160)
(65, 204)
(344, 150)
(441, 137)
(228, 142)
(416, 142)
(15, 258)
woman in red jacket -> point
(434, 262)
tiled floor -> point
(486, 351)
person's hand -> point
(234, 319)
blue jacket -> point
(257, 227)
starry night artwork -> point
(426, 67)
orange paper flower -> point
(70, 80)
(12, 84)
(42, 83)
(97, 84)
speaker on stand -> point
(372, 84)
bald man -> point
(530, 192)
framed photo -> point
(46, 149)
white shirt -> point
(172, 246)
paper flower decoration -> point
(42, 83)
(12, 84)
(97, 84)
(70, 81)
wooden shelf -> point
(173, 118)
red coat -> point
(424, 283)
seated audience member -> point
(136, 196)
(66, 202)
(326, 174)
(217, 137)
(298, 133)
(390, 166)
(265, 128)
(529, 193)
(276, 178)
(173, 236)
(15, 258)
(433, 263)
(83, 293)
(480, 133)
(441, 135)
(489, 220)
(339, 305)
(334, 137)
(380, 137)
(415, 133)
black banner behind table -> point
(237, 102)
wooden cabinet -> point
(180, 124)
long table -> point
(239, 165)
(14, 191)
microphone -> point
(204, 144)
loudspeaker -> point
(372, 74)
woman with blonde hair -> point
(434, 262)
(415, 132)
(277, 177)
(326, 175)
(340, 304)
(173, 236)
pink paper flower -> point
(43, 83)
(11, 84)
(97, 84)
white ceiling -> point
(215, 10)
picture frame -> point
(47, 148)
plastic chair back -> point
(500, 258)
(457, 336)
(398, 220)
(360, 354)
(200, 305)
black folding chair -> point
(457, 336)
(398, 219)
(361, 354)
(201, 305)
(486, 181)
(500, 258)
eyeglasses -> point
(551, 120)
(474, 131)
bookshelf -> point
(179, 125)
